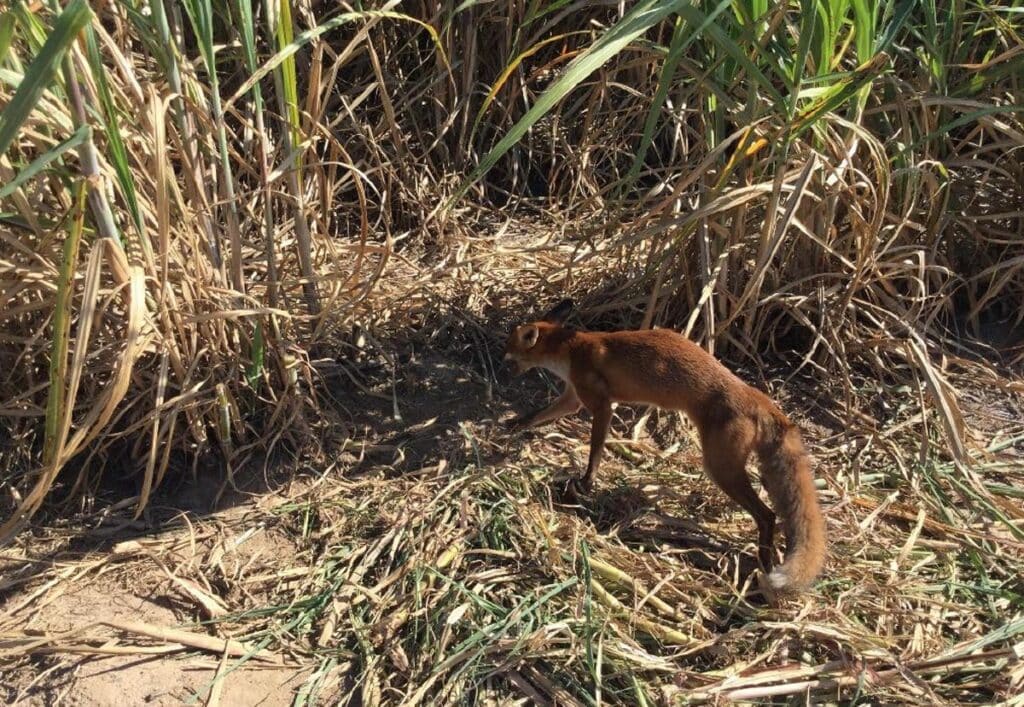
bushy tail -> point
(786, 476)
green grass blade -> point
(739, 54)
(33, 31)
(641, 18)
(864, 28)
(894, 26)
(809, 23)
(289, 78)
(535, 13)
(679, 44)
(62, 316)
(838, 93)
(201, 15)
(668, 71)
(7, 22)
(965, 119)
(248, 35)
(43, 70)
(43, 161)
(118, 153)
(304, 38)
(258, 355)
(507, 72)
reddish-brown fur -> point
(663, 368)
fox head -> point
(524, 348)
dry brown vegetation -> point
(250, 320)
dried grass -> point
(854, 246)
(465, 581)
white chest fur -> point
(559, 368)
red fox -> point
(663, 368)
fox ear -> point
(529, 336)
(560, 312)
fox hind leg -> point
(725, 454)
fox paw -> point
(576, 489)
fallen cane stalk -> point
(233, 648)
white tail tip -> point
(778, 579)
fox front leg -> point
(602, 417)
(566, 404)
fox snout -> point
(513, 365)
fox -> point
(734, 420)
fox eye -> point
(529, 336)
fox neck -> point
(555, 347)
